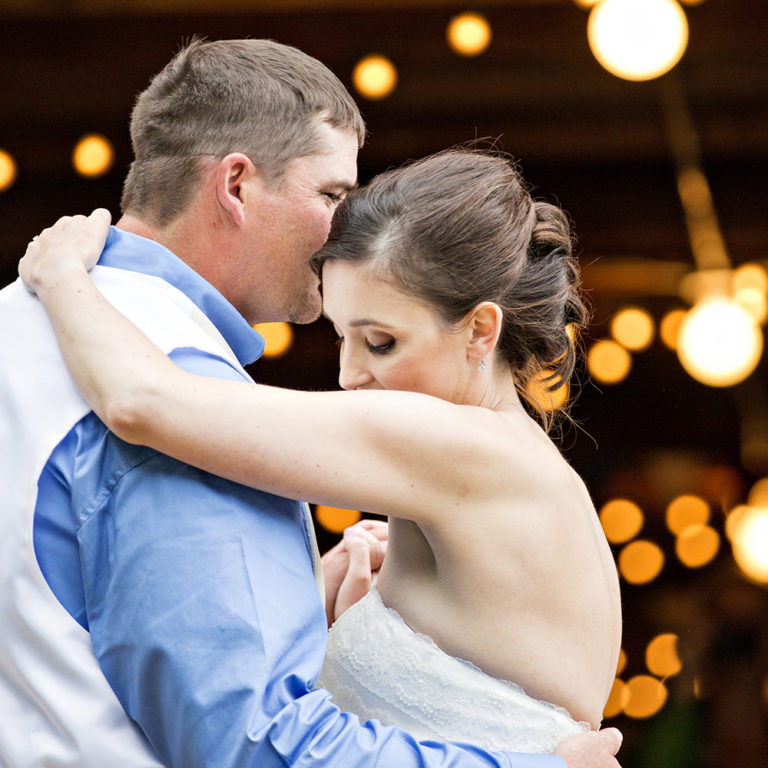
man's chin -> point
(308, 312)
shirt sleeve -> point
(207, 623)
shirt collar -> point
(139, 254)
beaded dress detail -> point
(377, 667)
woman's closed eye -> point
(380, 349)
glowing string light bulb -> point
(637, 39)
(719, 343)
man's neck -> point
(189, 242)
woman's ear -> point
(232, 174)
(485, 327)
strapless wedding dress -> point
(378, 667)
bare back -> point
(524, 587)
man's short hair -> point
(258, 97)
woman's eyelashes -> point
(380, 349)
(374, 349)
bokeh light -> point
(719, 342)
(278, 338)
(697, 545)
(633, 328)
(686, 510)
(469, 34)
(374, 77)
(8, 170)
(334, 519)
(748, 531)
(641, 561)
(749, 285)
(758, 493)
(586, 3)
(617, 699)
(550, 400)
(637, 39)
(93, 155)
(661, 655)
(669, 328)
(647, 696)
(608, 361)
(621, 519)
(622, 662)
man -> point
(154, 614)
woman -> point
(452, 292)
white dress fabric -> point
(379, 668)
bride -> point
(452, 292)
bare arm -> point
(396, 453)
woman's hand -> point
(351, 567)
(73, 243)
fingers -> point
(72, 241)
(375, 544)
(612, 738)
(592, 749)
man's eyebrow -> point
(336, 184)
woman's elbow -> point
(127, 414)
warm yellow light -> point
(278, 338)
(750, 276)
(749, 285)
(621, 519)
(641, 561)
(692, 2)
(633, 328)
(550, 400)
(622, 662)
(93, 155)
(8, 170)
(608, 361)
(670, 327)
(733, 520)
(334, 519)
(719, 343)
(749, 540)
(375, 76)
(686, 510)
(586, 3)
(758, 493)
(469, 34)
(661, 656)
(697, 545)
(617, 699)
(637, 39)
(647, 696)
(754, 301)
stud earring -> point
(482, 367)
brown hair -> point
(252, 96)
(459, 228)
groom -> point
(153, 614)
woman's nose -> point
(352, 374)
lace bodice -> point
(377, 667)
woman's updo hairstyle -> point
(459, 228)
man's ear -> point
(484, 329)
(233, 172)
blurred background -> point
(663, 168)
